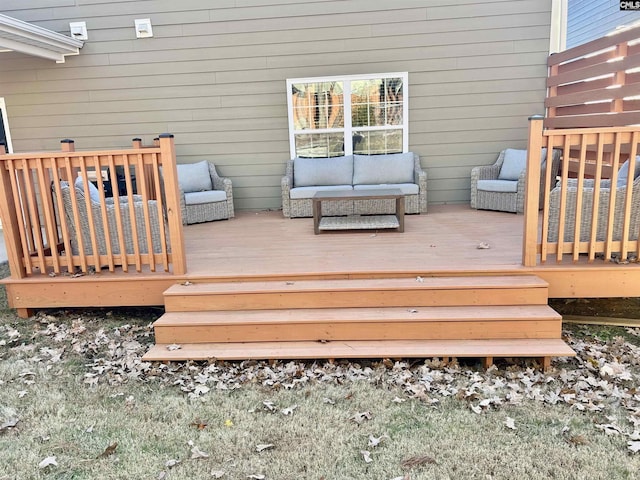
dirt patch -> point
(628, 307)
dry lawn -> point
(77, 402)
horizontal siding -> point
(214, 75)
(591, 19)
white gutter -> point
(33, 40)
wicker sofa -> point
(82, 230)
(306, 176)
(586, 214)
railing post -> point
(67, 145)
(136, 143)
(8, 216)
(172, 198)
(532, 192)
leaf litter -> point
(604, 374)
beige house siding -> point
(214, 76)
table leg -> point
(400, 212)
(317, 214)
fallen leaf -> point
(417, 461)
(264, 446)
(510, 423)
(218, 473)
(110, 450)
(162, 475)
(228, 423)
(173, 347)
(634, 446)
(361, 417)
(49, 461)
(366, 455)
(374, 442)
(483, 246)
(199, 424)
(7, 424)
(197, 453)
(269, 405)
(610, 429)
(289, 410)
(256, 476)
(329, 401)
(171, 463)
(399, 400)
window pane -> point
(378, 142)
(320, 145)
(318, 105)
(376, 102)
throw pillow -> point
(513, 164)
(194, 177)
(623, 173)
(94, 193)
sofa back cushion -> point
(94, 193)
(309, 172)
(513, 164)
(623, 173)
(194, 177)
(390, 168)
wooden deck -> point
(265, 246)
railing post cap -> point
(536, 117)
(67, 140)
(136, 139)
(165, 135)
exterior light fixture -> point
(143, 28)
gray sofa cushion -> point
(208, 196)
(194, 177)
(377, 169)
(405, 188)
(322, 171)
(308, 192)
(504, 186)
(94, 193)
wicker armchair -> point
(488, 192)
(204, 195)
(587, 210)
(82, 230)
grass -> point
(74, 382)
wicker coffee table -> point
(358, 222)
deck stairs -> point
(484, 316)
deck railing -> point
(592, 211)
(134, 219)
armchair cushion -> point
(209, 196)
(194, 177)
(514, 163)
(309, 172)
(388, 169)
(509, 186)
(94, 193)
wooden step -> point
(391, 292)
(391, 323)
(487, 349)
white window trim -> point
(347, 79)
(5, 122)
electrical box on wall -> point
(79, 30)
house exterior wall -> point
(591, 19)
(214, 75)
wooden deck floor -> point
(445, 239)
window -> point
(334, 116)
(5, 137)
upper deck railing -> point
(128, 215)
